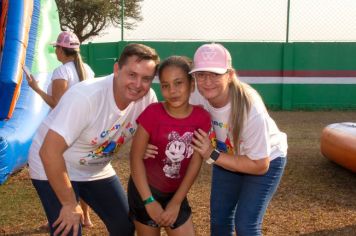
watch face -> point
(215, 154)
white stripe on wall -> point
(293, 80)
(299, 80)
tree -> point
(87, 18)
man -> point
(90, 123)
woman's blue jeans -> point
(106, 197)
(239, 201)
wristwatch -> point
(213, 156)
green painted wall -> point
(322, 56)
(263, 61)
(246, 56)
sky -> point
(241, 20)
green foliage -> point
(87, 18)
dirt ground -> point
(315, 197)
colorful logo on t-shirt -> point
(177, 149)
(223, 146)
(220, 125)
(115, 138)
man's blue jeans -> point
(106, 197)
(239, 201)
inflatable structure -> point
(338, 144)
(26, 29)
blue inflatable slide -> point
(26, 29)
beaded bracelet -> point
(148, 200)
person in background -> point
(246, 149)
(71, 72)
(81, 135)
(158, 186)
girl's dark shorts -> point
(138, 211)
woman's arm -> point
(59, 86)
(242, 164)
(170, 214)
(138, 172)
(239, 163)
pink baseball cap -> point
(212, 57)
(67, 39)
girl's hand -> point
(202, 144)
(151, 151)
(154, 210)
(170, 214)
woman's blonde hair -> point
(240, 107)
(78, 62)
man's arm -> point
(51, 154)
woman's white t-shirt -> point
(68, 72)
(260, 136)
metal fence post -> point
(122, 19)
(287, 33)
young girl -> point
(158, 186)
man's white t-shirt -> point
(260, 136)
(92, 126)
(68, 72)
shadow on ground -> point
(345, 231)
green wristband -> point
(148, 200)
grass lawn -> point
(316, 197)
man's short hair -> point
(142, 52)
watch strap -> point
(214, 155)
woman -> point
(72, 71)
(246, 148)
